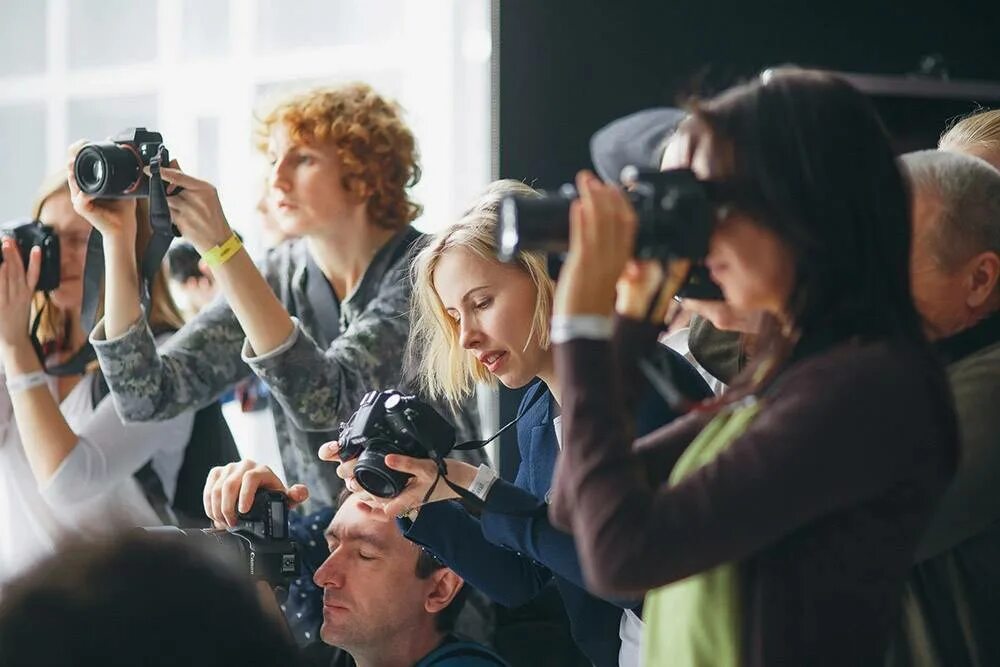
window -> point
(196, 69)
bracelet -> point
(26, 381)
(223, 252)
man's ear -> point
(984, 273)
(447, 584)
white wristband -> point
(26, 381)
(483, 482)
(592, 327)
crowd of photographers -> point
(760, 424)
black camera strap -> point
(93, 273)
(515, 506)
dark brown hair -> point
(806, 156)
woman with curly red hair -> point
(322, 319)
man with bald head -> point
(952, 599)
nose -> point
(469, 336)
(330, 573)
(279, 176)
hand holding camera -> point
(17, 288)
(230, 490)
(423, 474)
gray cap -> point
(636, 139)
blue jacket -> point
(512, 557)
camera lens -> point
(374, 477)
(107, 169)
(530, 223)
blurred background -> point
(196, 70)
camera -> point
(28, 234)
(259, 544)
(390, 422)
(113, 169)
(675, 211)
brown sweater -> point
(821, 503)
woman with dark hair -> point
(776, 525)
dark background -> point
(565, 68)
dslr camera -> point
(28, 234)
(259, 544)
(676, 212)
(113, 169)
(389, 422)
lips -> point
(492, 360)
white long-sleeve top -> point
(93, 489)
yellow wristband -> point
(222, 253)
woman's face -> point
(306, 194)
(752, 265)
(73, 232)
(493, 305)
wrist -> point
(213, 239)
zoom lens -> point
(107, 169)
(376, 478)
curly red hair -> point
(377, 151)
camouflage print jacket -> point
(337, 353)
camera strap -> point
(93, 273)
(515, 506)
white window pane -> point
(284, 25)
(386, 83)
(111, 32)
(208, 149)
(22, 37)
(204, 29)
(98, 119)
(22, 135)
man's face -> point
(938, 293)
(371, 591)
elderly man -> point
(952, 600)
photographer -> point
(476, 319)
(66, 459)
(342, 165)
(778, 526)
(386, 602)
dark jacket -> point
(819, 504)
(532, 551)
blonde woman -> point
(66, 459)
(476, 319)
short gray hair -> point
(968, 192)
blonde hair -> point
(978, 130)
(52, 328)
(444, 369)
(377, 151)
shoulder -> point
(533, 404)
(892, 390)
(459, 653)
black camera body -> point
(259, 545)
(389, 422)
(28, 234)
(113, 169)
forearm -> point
(189, 371)
(446, 529)
(122, 308)
(264, 320)
(46, 437)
